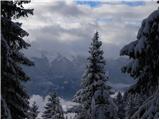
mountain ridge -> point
(63, 74)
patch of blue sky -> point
(90, 3)
(98, 3)
(133, 3)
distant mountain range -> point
(64, 75)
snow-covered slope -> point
(41, 102)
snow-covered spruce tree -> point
(5, 111)
(33, 111)
(132, 103)
(14, 96)
(130, 107)
(143, 66)
(121, 105)
(94, 96)
(53, 109)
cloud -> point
(69, 27)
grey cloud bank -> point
(67, 27)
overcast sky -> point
(68, 26)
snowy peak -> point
(61, 59)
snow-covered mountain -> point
(64, 74)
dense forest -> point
(94, 93)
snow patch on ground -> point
(41, 102)
(67, 104)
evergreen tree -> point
(130, 107)
(33, 112)
(143, 65)
(132, 102)
(149, 108)
(53, 109)
(94, 96)
(14, 96)
(5, 111)
(120, 105)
